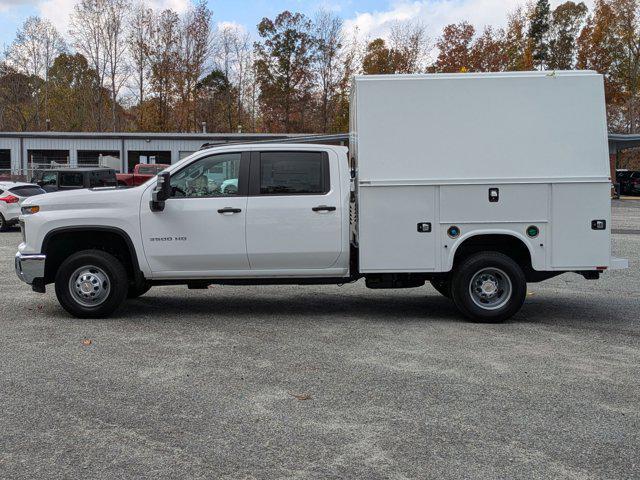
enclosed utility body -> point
(441, 159)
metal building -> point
(23, 152)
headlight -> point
(30, 210)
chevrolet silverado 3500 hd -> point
(478, 183)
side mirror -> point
(161, 193)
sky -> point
(372, 17)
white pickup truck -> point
(477, 183)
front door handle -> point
(229, 210)
(323, 208)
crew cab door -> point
(201, 232)
(294, 211)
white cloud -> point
(7, 4)
(233, 26)
(435, 14)
(179, 6)
(58, 11)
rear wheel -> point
(488, 287)
(91, 284)
(3, 223)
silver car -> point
(12, 194)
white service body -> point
(429, 147)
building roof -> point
(618, 141)
(212, 137)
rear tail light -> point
(9, 199)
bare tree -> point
(113, 37)
(224, 58)
(194, 47)
(32, 53)
(243, 71)
(140, 26)
(232, 56)
(163, 60)
(410, 44)
(86, 29)
(329, 38)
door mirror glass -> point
(161, 192)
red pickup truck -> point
(141, 173)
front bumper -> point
(30, 267)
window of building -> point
(92, 158)
(5, 160)
(48, 157)
(137, 156)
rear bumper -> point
(29, 267)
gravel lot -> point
(325, 382)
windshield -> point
(27, 191)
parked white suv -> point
(12, 194)
(475, 183)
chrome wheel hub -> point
(89, 286)
(490, 288)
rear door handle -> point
(323, 208)
(227, 210)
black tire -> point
(138, 290)
(443, 287)
(3, 223)
(109, 267)
(502, 273)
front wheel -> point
(91, 284)
(488, 287)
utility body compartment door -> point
(294, 210)
(390, 237)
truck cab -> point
(287, 221)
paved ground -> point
(325, 382)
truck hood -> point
(81, 199)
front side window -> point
(293, 173)
(71, 179)
(49, 178)
(215, 176)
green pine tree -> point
(538, 33)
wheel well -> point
(59, 245)
(508, 245)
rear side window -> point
(71, 179)
(103, 179)
(27, 191)
(294, 173)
